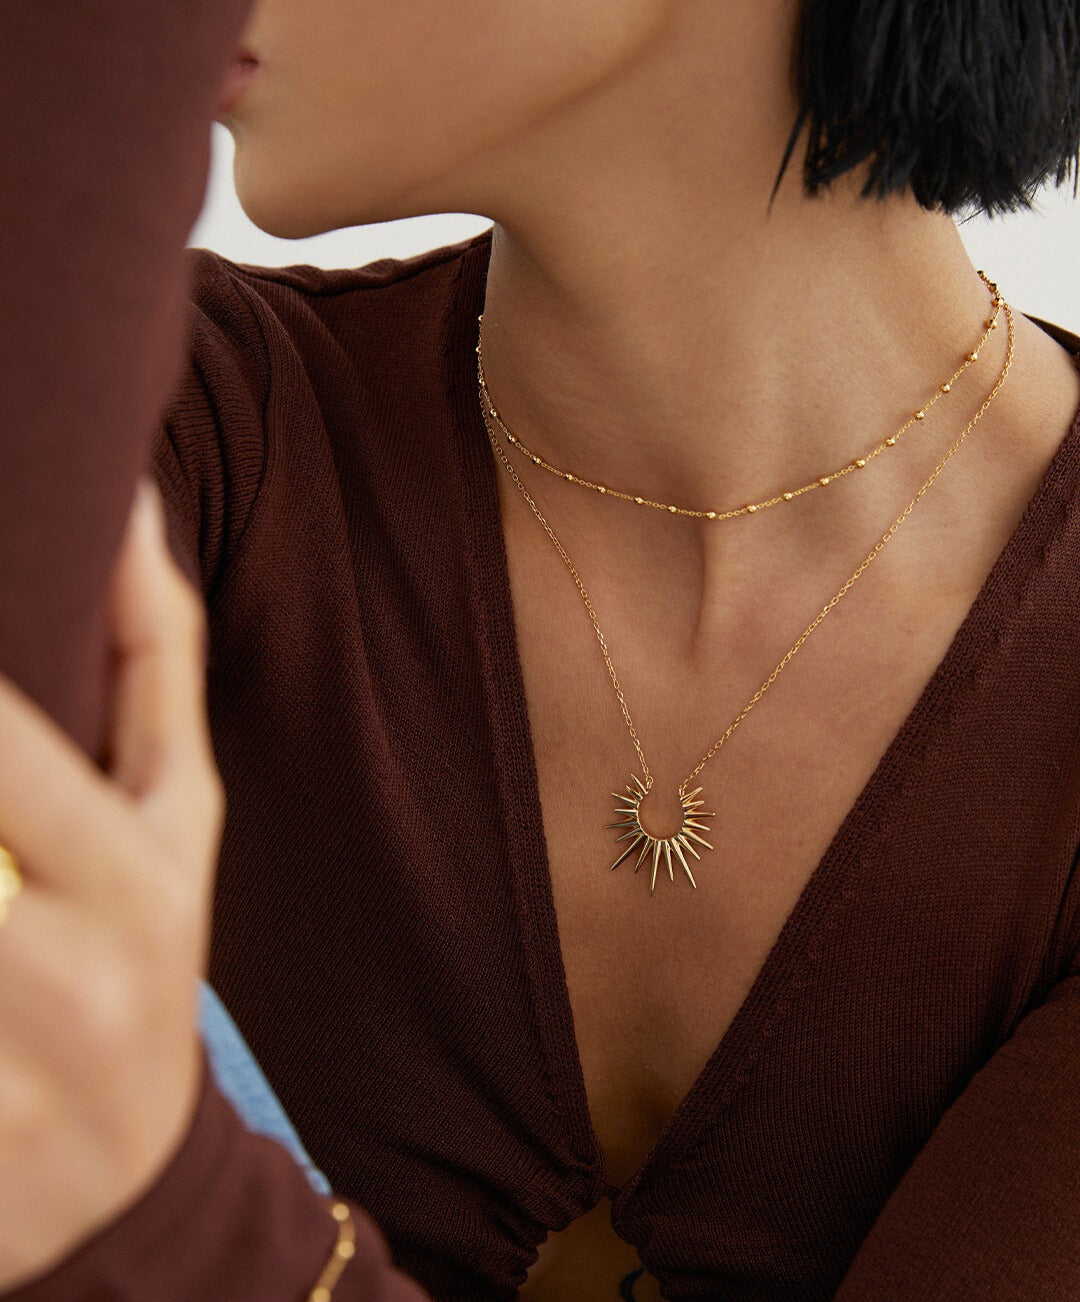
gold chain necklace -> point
(786, 496)
(636, 790)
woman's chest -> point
(792, 756)
(660, 956)
(657, 978)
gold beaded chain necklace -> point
(786, 496)
(637, 789)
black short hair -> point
(970, 104)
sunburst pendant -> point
(629, 807)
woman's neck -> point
(718, 366)
(651, 323)
(651, 318)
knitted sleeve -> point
(991, 1205)
(105, 115)
(232, 1218)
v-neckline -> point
(830, 884)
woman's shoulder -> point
(385, 296)
(309, 279)
(297, 366)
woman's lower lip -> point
(237, 77)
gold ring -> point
(10, 882)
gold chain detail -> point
(344, 1251)
(788, 495)
(998, 302)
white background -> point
(1034, 257)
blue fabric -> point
(241, 1081)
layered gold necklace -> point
(689, 836)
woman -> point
(831, 1050)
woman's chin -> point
(280, 209)
(298, 207)
(292, 196)
(283, 224)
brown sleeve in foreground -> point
(105, 114)
(231, 1219)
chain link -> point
(488, 409)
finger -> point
(43, 942)
(59, 814)
(157, 635)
